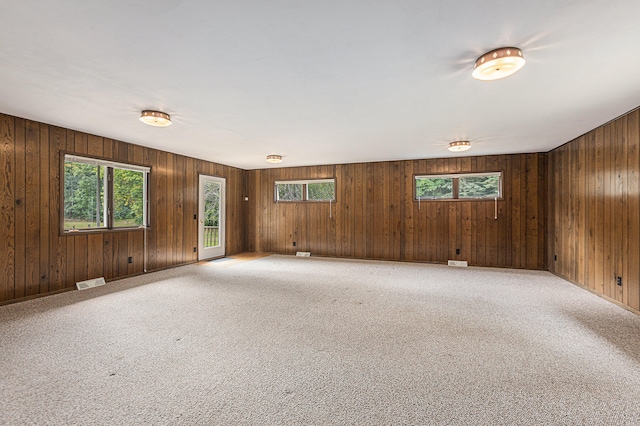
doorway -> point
(211, 208)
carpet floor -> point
(315, 341)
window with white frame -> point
(305, 190)
(101, 194)
(460, 186)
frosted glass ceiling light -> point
(498, 63)
(459, 146)
(274, 159)
(155, 118)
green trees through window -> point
(479, 186)
(434, 188)
(90, 202)
(212, 204)
(289, 191)
(83, 196)
(128, 198)
(306, 190)
(459, 186)
(321, 191)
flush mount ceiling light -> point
(274, 159)
(155, 118)
(498, 63)
(459, 146)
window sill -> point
(68, 233)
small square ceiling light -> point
(155, 118)
(498, 63)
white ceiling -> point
(320, 81)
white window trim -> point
(115, 165)
(112, 164)
(305, 195)
(458, 176)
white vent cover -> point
(303, 254)
(83, 285)
(462, 263)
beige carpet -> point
(313, 341)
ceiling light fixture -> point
(274, 159)
(459, 146)
(155, 118)
(498, 63)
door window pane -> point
(211, 214)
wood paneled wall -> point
(35, 259)
(375, 216)
(594, 210)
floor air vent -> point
(303, 254)
(83, 285)
(462, 263)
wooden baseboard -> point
(605, 297)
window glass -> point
(212, 191)
(128, 198)
(84, 196)
(467, 186)
(305, 190)
(289, 191)
(479, 186)
(434, 187)
(101, 194)
(321, 191)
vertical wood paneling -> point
(36, 259)
(7, 210)
(170, 205)
(57, 245)
(597, 206)
(20, 209)
(633, 209)
(619, 208)
(44, 208)
(375, 215)
(359, 209)
(191, 211)
(71, 242)
(493, 246)
(178, 180)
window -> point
(480, 186)
(469, 186)
(306, 190)
(289, 191)
(101, 194)
(433, 188)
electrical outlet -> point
(294, 243)
(619, 281)
(130, 259)
(555, 257)
(457, 251)
(195, 250)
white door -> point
(211, 217)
